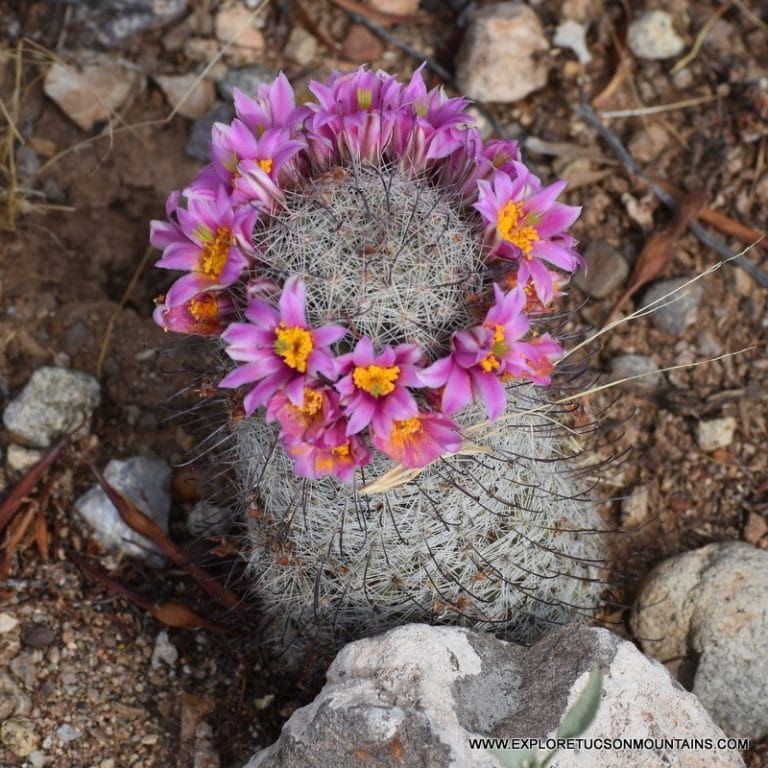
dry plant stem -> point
(139, 522)
(700, 38)
(720, 221)
(170, 612)
(613, 141)
(13, 501)
(658, 109)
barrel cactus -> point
(382, 286)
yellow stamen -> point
(294, 345)
(266, 165)
(204, 308)
(490, 363)
(327, 462)
(375, 379)
(405, 431)
(511, 224)
(364, 98)
(215, 252)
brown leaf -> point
(14, 537)
(42, 537)
(657, 251)
(139, 522)
(12, 502)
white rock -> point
(716, 433)
(706, 611)
(192, 95)
(501, 56)
(301, 46)
(7, 623)
(20, 459)
(428, 690)
(571, 34)
(643, 367)
(147, 483)
(164, 651)
(235, 22)
(36, 759)
(53, 402)
(652, 36)
(93, 92)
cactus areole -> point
(380, 281)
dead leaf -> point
(657, 251)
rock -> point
(200, 133)
(247, 79)
(677, 312)
(648, 144)
(634, 508)
(164, 651)
(301, 46)
(201, 49)
(13, 701)
(207, 519)
(192, 95)
(716, 433)
(53, 402)
(705, 610)
(21, 459)
(7, 623)
(111, 21)
(91, 93)
(37, 636)
(416, 695)
(147, 483)
(235, 22)
(652, 36)
(570, 34)
(606, 270)
(400, 7)
(36, 759)
(18, 735)
(66, 733)
(361, 45)
(500, 58)
(625, 366)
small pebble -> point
(653, 36)
(7, 623)
(21, 459)
(675, 312)
(66, 733)
(625, 366)
(18, 735)
(301, 47)
(191, 95)
(36, 759)
(606, 270)
(634, 508)
(164, 651)
(37, 636)
(235, 23)
(246, 79)
(716, 433)
(570, 34)
(200, 132)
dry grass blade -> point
(14, 536)
(170, 612)
(657, 252)
(143, 525)
(13, 501)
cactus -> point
(383, 282)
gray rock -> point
(416, 695)
(501, 56)
(110, 21)
(716, 433)
(706, 612)
(606, 270)
(676, 313)
(66, 733)
(13, 701)
(571, 34)
(247, 79)
(53, 402)
(625, 366)
(147, 483)
(200, 133)
(652, 36)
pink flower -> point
(274, 107)
(208, 239)
(418, 440)
(205, 314)
(336, 454)
(524, 223)
(305, 422)
(484, 356)
(374, 389)
(279, 349)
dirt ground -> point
(73, 266)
